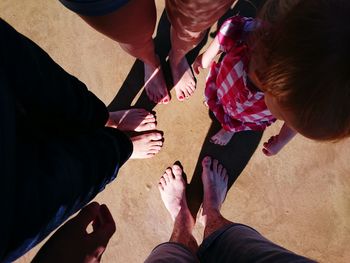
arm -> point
(205, 59)
(277, 142)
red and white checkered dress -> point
(233, 99)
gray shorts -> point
(93, 7)
(232, 243)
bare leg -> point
(132, 120)
(215, 188)
(222, 137)
(183, 78)
(146, 145)
(172, 190)
(189, 20)
(132, 27)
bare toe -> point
(146, 145)
(162, 181)
(177, 170)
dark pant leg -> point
(171, 252)
(242, 244)
(57, 178)
(47, 97)
(60, 153)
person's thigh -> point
(241, 243)
(57, 177)
(171, 252)
(132, 24)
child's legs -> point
(132, 27)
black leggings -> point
(55, 152)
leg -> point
(189, 20)
(57, 177)
(182, 246)
(214, 189)
(46, 95)
(224, 240)
(172, 190)
(132, 27)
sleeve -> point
(233, 30)
(47, 96)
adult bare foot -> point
(172, 191)
(214, 187)
(183, 78)
(146, 145)
(155, 85)
(222, 137)
(132, 120)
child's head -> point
(302, 65)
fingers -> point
(87, 215)
(104, 227)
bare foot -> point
(146, 145)
(183, 79)
(222, 137)
(155, 85)
(172, 191)
(272, 146)
(132, 120)
(214, 186)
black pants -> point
(55, 152)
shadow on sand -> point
(233, 156)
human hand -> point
(272, 146)
(71, 242)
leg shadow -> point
(237, 153)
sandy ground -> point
(299, 199)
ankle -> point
(176, 56)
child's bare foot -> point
(146, 145)
(214, 187)
(183, 78)
(132, 120)
(172, 191)
(222, 137)
(155, 85)
(273, 146)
